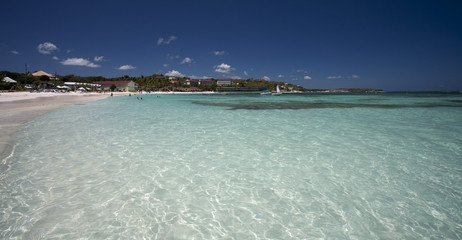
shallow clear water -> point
(308, 166)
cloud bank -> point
(174, 73)
(126, 67)
(340, 76)
(199, 77)
(79, 62)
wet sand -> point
(19, 108)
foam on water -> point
(385, 166)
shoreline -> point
(17, 108)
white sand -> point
(17, 96)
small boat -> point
(278, 91)
(266, 92)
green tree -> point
(113, 87)
(26, 79)
(4, 85)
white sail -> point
(278, 91)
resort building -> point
(79, 86)
(123, 86)
(224, 82)
(191, 82)
(205, 82)
(42, 73)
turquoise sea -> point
(296, 166)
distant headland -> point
(42, 81)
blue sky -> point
(391, 45)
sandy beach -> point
(17, 108)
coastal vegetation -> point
(159, 82)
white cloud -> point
(222, 68)
(199, 77)
(165, 65)
(126, 67)
(14, 52)
(174, 73)
(302, 71)
(218, 53)
(235, 77)
(79, 62)
(186, 60)
(280, 76)
(47, 48)
(266, 78)
(245, 73)
(171, 57)
(340, 76)
(161, 41)
(98, 58)
(307, 77)
(55, 58)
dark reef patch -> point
(296, 105)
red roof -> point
(159, 77)
(111, 82)
(224, 79)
